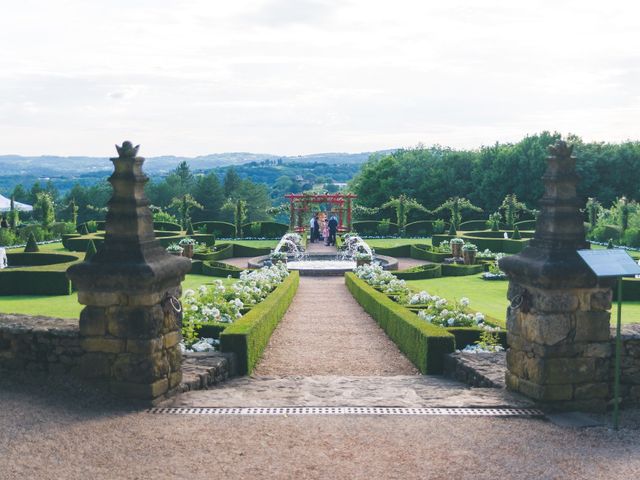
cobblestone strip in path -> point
(326, 332)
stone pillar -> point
(558, 321)
(130, 327)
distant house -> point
(5, 205)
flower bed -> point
(454, 317)
(249, 301)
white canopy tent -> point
(5, 205)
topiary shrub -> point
(91, 251)
(31, 246)
(190, 231)
(516, 234)
(452, 229)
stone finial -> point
(560, 150)
(551, 259)
(127, 149)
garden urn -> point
(469, 256)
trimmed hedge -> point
(37, 274)
(399, 251)
(167, 226)
(248, 337)
(421, 228)
(247, 251)
(267, 229)
(431, 270)
(473, 225)
(484, 242)
(424, 252)
(455, 270)
(526, 225)
(630, 290)
(423, 343)
(219, 229)
(219, 269)
(370, 227)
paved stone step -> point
(390, 391)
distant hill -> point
(53, 166)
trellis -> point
(339, 203)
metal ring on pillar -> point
(517, 301)
(174, 301)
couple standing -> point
(329, 229)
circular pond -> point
(324, 265)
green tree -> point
(593, 209)
(232, 183)
(43, 209)
(512, 208)
(455, 205)
(183, 205)
(209, 193)
(19, 194)
(403, 205)
(14, 216)
(238, 208)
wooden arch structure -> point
(339, 204)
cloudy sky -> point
(303, 76)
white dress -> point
(3, 258)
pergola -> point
(339, 203)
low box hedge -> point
(425, 252)
(266, 229)
(222, 252)
(370, 227)
(219, 269)
(247, 251)
(37, 274)
(219, 229)
(431, 270)
(424, 344)
(399, 251)
(455, 270)
(248, 337)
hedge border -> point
(220, 269)
(455, 270)
(38, 278)
(424, 344)
(248, 337)
(433, 270)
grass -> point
(67, 306)
(490, 297)
(395, 242)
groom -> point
(333, 228)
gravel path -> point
(326, 332)
(53, 432)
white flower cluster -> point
(385, 281)
(482, 349)
(223, 304)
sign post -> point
(613, 263)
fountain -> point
(318, 264)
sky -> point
(292, 77)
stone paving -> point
(348, 391)
(326, 332)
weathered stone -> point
(598, 350)
(545, 392)
(144, 346)
(140, 368)
(93, 321)
(589, 391)
(142, 391)
(547, 329)
(103, 344)
(171, 339)
(174, 379)
(93, 365)
(592, 326)
(601, 300)
(550, 302)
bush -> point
(31, 246)
(167, 226)
(431, 270)
(91, 251)
(423, 343)
(602, 233)
(219, 229)
(247, 251)
(37, 274)
(255, 229)
(631, 237)
(25, 231)
(421, 228)
(370, 227)
(248, 337)
(439, 226)
(7, 237)
(383, 227)
(219, 269)
(62, 228)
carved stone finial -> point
(561, 150)
(127, 149)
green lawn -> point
(67, 306)
(253, 243)
(395, 242)
(490, 297)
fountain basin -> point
(324, 265)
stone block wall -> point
(42, 344)
(629, 365)
(560, 348)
